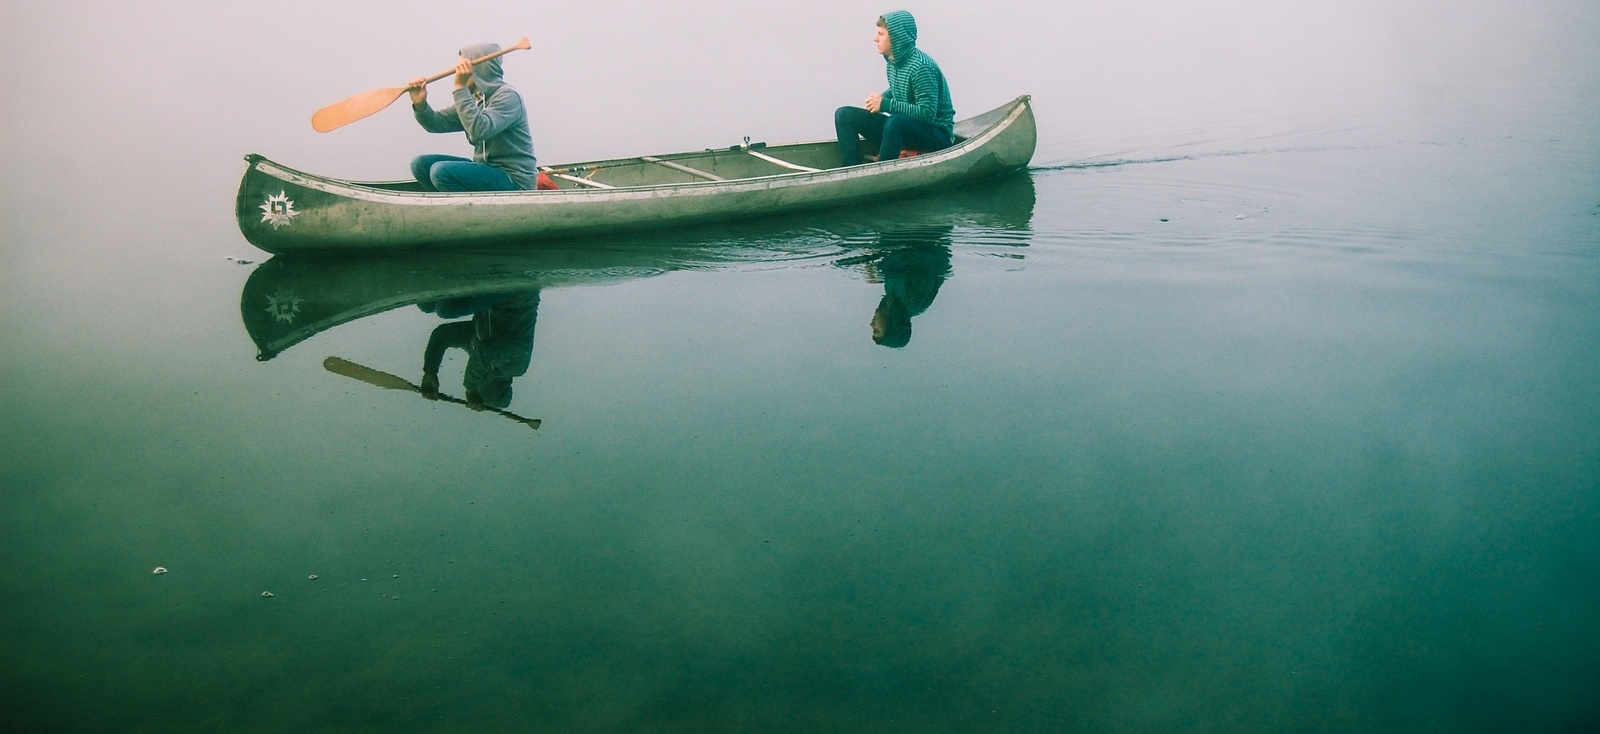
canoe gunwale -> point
(370, 192)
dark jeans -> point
(890, 133)
(452, 173)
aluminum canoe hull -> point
(282, 210)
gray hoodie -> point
(493, 118)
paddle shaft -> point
(346, 111)
(519, 45)
(385, 380)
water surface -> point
(1266, 400)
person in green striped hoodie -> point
(914, 113)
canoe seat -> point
(905, 153)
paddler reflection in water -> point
(498, 340)
(913, 265)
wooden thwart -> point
(685, 169)
(581, 181)
(784, 163)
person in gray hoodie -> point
(492, 115)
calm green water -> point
(1258, 416)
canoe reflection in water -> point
(491, 299)
(498, 340)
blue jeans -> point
(452, 173)
(891, 133)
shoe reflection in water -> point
(913, 265)
(498, 340)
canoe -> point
(294, 297)
(282, 210)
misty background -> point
(1266, 399)
(614, 79)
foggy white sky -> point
(615, 78)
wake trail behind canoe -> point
(1120, 162)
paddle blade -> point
(339, 114)
(366, 374)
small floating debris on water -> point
(395, 576)
(159, 570)
(240, 260)
(312, 577)
(1238, 216)
(267, 594)
(363, 580)
(1163, 219)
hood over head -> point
(902, 33)
(486, 74)
(895, 319)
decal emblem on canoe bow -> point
(283, 306)
(278, 210)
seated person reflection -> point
(911, 274)
(498, 340)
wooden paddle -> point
(385, 380)
(339, 114)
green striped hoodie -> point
(917, 88)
